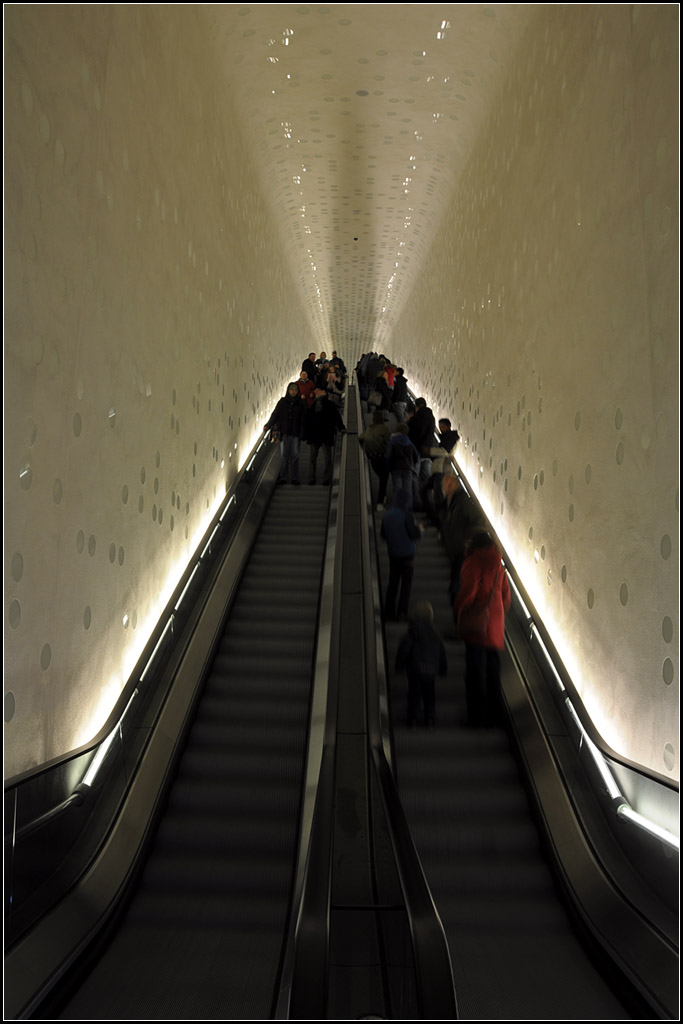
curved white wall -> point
(149, 323)
(545, 325)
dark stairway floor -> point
(514, 953)
(203, 934)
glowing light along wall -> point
(149, 322)
(545, 326)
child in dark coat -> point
(422, 655)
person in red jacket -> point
(484, 590)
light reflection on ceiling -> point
(362, 118)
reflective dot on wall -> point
(556, 467)
(141, 504)
(122, 556)
(10, 706)
(564, 574)
(571, 513)
(590, 598)
(14, 614)
(112, 417)
(618, 419)
(26, 477)
(667, 629)
(57, 492)
(156, 485)
(80, 542)
(531, 533)
(134, 620)
(92, 545)
(77, 424)
(668, 671)
(665, 547)
(161, 516)
(620, 453)
(30, 432)
(623, 594)
(154, 513)
(45, 657)
(588, 474)
(669, 757)
(577, 421)
(124, 495)
(570, 483)
(112, 553)
(17, 569)
(171, 524)
(87, 617)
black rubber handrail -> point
(434, 973)
(302, 991)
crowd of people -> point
(404, 445)
(309, 412)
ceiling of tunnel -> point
(362, 117)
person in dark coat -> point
(322, 423)
(400, 531)
(402, 460)
(400, 395)
(374, 441)
(381, 386)
(422, 655)
(309, 367)
(458, 521)
(448, 437)
(288, 419)
(431, 492)
(484, 585)
(337, 363)
(421, 427)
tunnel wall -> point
(149, 325)
(545, 325)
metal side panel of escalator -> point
(202, 934)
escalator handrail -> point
(303, 983)
(434, 972)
